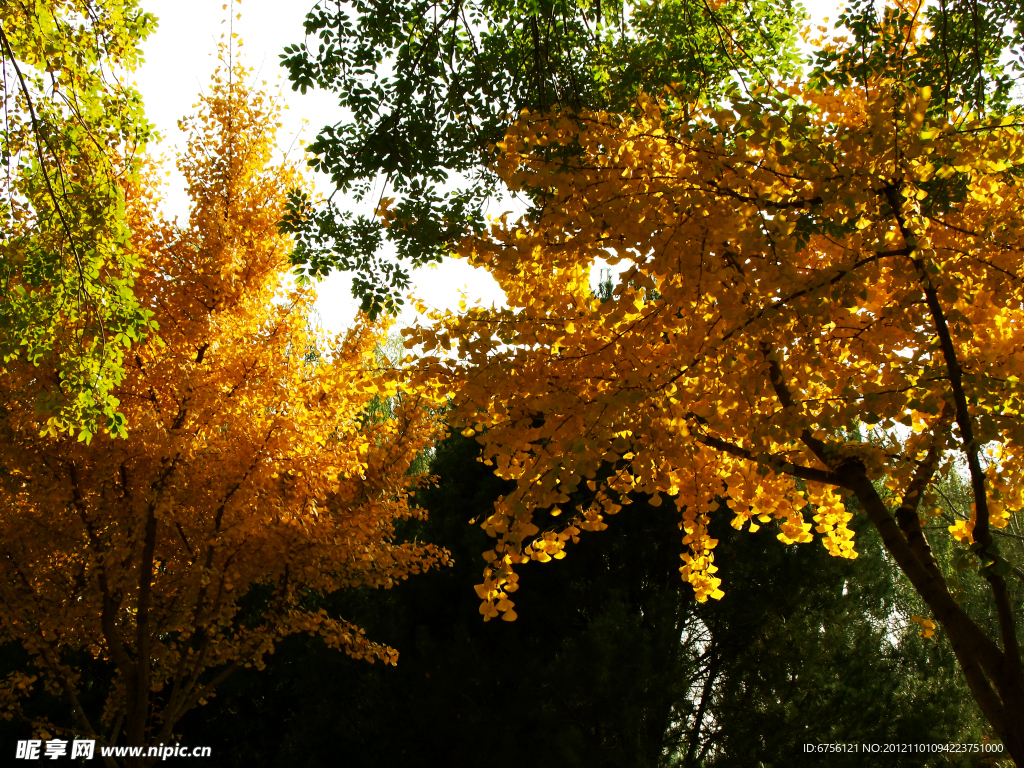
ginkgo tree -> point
(797, 262)
(256, 472)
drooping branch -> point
(838, 276)
(37, 133)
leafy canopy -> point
(252, 476)
(796, 263)
(72, 137)
(428, 88)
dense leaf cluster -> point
(72, 136)
(428, 89)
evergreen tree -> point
(610, 661)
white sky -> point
(181, 56)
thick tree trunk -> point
(989, 669)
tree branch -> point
(906, 513)
(969, 443)
(775, 463)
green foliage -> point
(966, 565)
(72, 136)
(430, 87)
(836, 660)
(974, 54)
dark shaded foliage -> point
(609, 660)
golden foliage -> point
(794, 264)
(256, 465)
